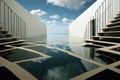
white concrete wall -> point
(34, 27)
(77, 28)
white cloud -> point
(67, 21)
(57, 26)
(54, 26)
(38, 12)
(54, 16)
(52, 23)
(70, 4)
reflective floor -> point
(63, 67)
(19, 54)
(57, 58)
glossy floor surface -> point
(58, 58)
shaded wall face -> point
(34, 27)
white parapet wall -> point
(34, 27)
(77, 28)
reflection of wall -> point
(34, 26)
(77, 28)
(84, 52)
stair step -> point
(104, 43)
(7, 39)
(110, 59)
(114, 28)
(8, 35)
(3, 32)
(113, 24)
(2, 35)
(115, 20)
(117, 17)
(93, 45)
(5, 35)
(0, 28)
(110, 37)
(95, 37)
(5, 50)
(107, 38)
(110, 33)
(18, 44)
(108, 52)
(12, 42)
(118, 14)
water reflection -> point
(62, 46)
(92, 53)
(49, 51)
(65, 42)
(41, 39)
(60, 68)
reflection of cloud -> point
(39, 60)
(66, 48)
(65, 72)
(38, 12)
(54, 16)
(58, 73)
(70, 4)
(54, 50)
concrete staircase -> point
(8, 39)
(109, 37)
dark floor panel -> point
(5, 74)
(116, 49)
(118, 67)
(106, 75)
(18, 54)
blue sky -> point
(56, 14)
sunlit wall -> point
(77, 28)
